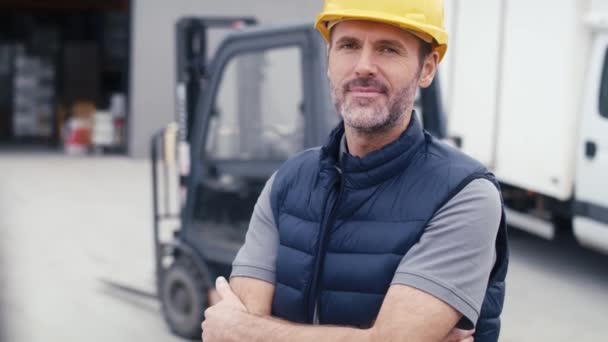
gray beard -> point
(398, 107)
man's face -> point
(374, 71)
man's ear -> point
(429, 69)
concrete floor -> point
(71, 229)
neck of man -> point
(360, 143)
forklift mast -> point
(192, 49)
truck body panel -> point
(545, 49)
(527, 95)
(517, 72)
(472, 105)
(591, 206)
(592, 156)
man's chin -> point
(365, 124)
(364, 101)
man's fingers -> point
(223, 289)
(459, 335)
(225, 292)
(213, 297)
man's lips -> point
(365, 91)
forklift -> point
(263, 97)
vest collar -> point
(376, 166)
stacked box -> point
(103, 129)
(80, 72)
(34, 92)
(6, 88)
(115, 43)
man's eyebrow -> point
(347, 39)
(392, 42)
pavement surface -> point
(76, 235)
(76, 261)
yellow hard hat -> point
(424, 18)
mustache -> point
(366, 82)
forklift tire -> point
(184, 298)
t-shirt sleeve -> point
(257, 257)
(456, 253)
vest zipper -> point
(312, 295)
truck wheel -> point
(184, 298)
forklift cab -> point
(262, 98)
(264, 102)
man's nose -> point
(366, 64)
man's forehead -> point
(373, 30)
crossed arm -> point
(465, 229)
(407, 314)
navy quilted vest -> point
(345, 226)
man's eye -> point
(347, 46)
(388, 50)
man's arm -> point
(420, 310)
(255, 294)
(407, 314)
(253, 279)
(426, 317)
(454, 257)
(253, 269)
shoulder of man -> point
(306, 156)
(459, 162)
(456, 253)
(293, 167)
(441, 162)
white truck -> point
(525, 85)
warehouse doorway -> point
(64, 74)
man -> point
(384, 234)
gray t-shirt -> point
(452, 261)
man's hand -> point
(459, 335)
(222, 319)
